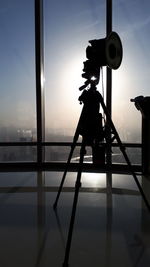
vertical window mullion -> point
(39, 66)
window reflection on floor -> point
(111, 229)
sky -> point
(68, 26)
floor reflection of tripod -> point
(92, 134)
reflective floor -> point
(112, 227)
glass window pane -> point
(133, 153)
(17, 70)
(61, 154)
(69, 25)
(18, 153)
(131, 21)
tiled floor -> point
(109, 230)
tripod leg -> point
(122, 148)
(77, 187)
(64, 176)
(69, 159)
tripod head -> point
(89, 94)
(92, 81)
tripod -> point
(84, 129)
(86, 138)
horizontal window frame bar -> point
(3, 144)
(73, 167)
